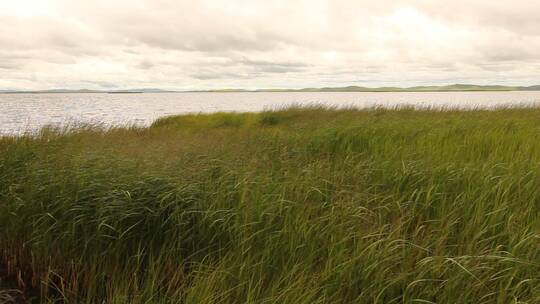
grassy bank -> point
(295, 206)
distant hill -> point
(531, 88)
(445, 88)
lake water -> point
(29, 112)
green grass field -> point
(301, 205)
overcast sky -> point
(200, 44)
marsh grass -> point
(298, 205)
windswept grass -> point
(300, 205)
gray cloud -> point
(213, 75)
(252, 44)
(145, 65)
(10, 65)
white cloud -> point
(250, 44)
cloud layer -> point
(266, 44)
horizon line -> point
(359, 88)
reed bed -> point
(297, 205)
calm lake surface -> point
(29, 112)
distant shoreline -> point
(446, 88)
